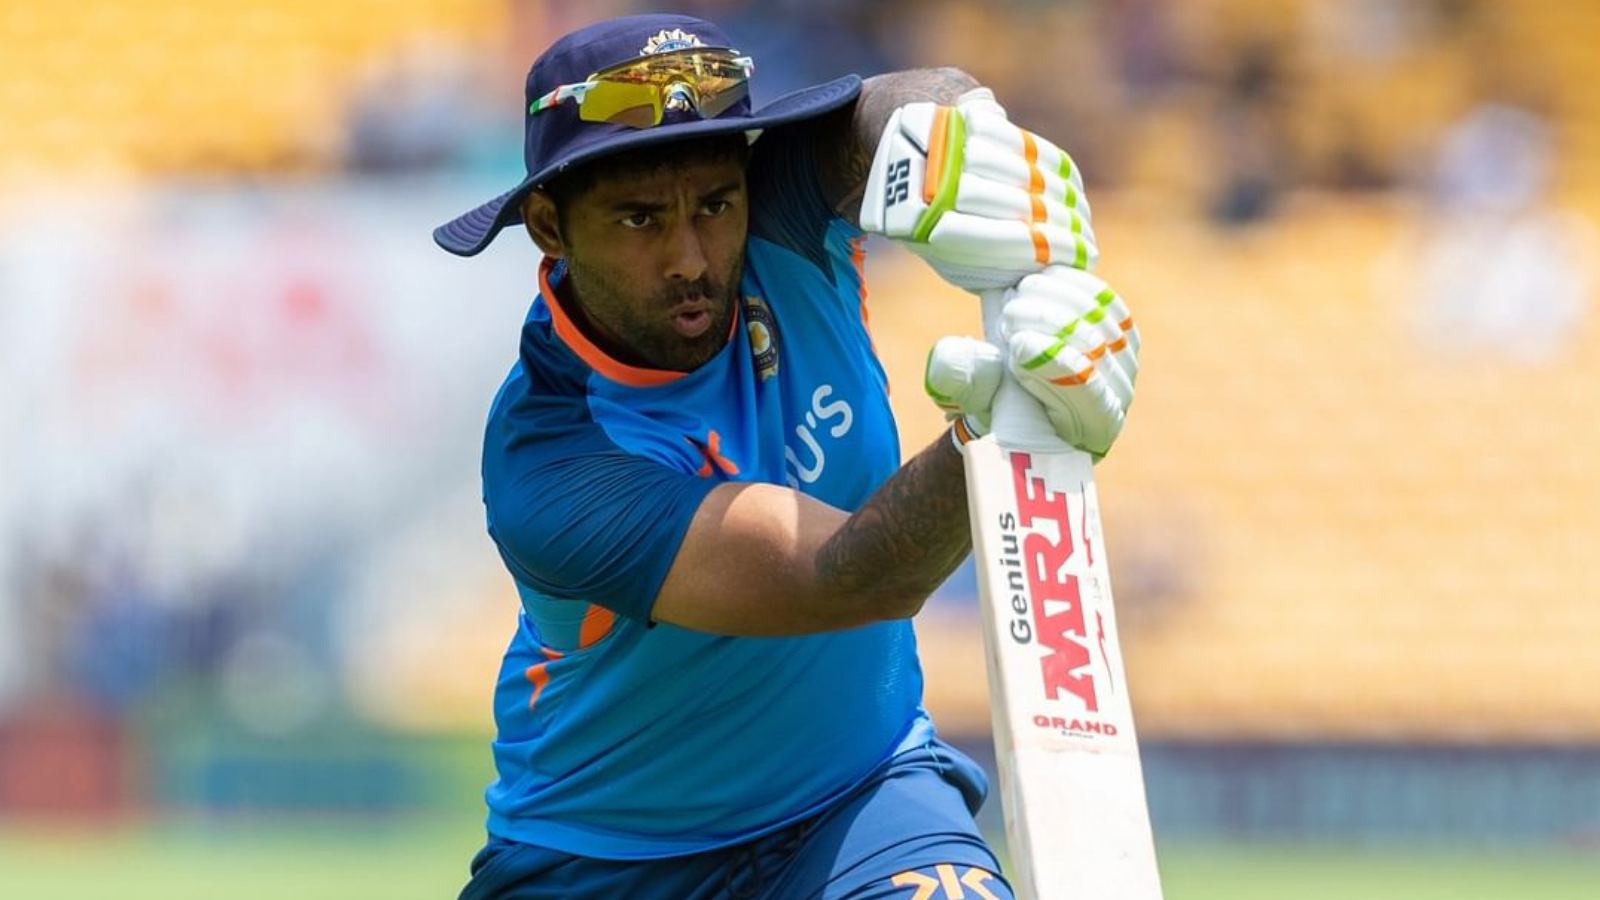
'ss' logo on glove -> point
(983, 201)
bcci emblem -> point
(668, 40)
(763, 333)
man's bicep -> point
(747, 566)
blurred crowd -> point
(1222, 105)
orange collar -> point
(589, 352)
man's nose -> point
(686, 256)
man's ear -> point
(540, 217)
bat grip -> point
(1018, 420)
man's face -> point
(654, 260)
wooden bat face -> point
(1071, 781)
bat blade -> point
(1070, 777)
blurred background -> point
(249, 617)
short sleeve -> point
(577, 518)
(787, 204)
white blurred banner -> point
(204, 386)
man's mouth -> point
(691, 318)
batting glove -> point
(1070, 343)
(961, 377)
(983, 201)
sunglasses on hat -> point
(637, 93)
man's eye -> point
(637, 220)
(716, 207)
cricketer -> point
(693, 476)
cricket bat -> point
(1070, 778)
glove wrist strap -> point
(962, 433)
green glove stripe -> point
(1103, 301)
(939, 399)
(944, 195)
(1050, 352)
(1080, 254)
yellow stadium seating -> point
(166, 86)
(1376, 543)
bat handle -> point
(1018, 420)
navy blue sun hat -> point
(556, 139)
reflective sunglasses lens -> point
(677, 66)
(715, 103)
(622, 103)
(633, 93)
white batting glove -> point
(983, 201)
(961, 378)
(1070, 342)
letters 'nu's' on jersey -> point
(621, 739)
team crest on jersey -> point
(763, 331)
(667, 40)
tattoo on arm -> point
(911, 534)
(846, 153)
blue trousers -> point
(906, 833)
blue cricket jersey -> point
(623, 739)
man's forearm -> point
(848, 156)
(911, 534)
